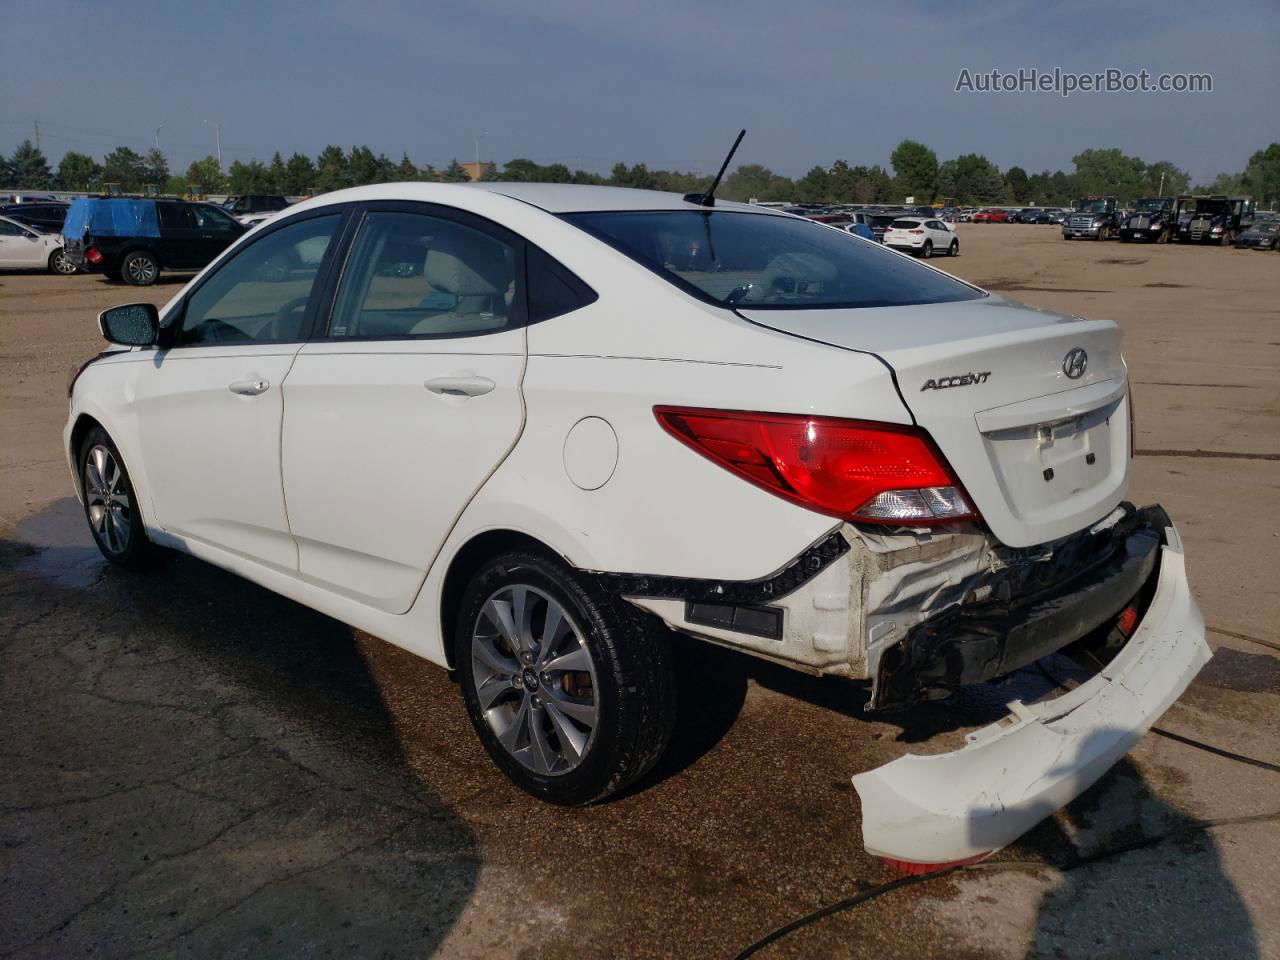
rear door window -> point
(176, 216)
(418, 275)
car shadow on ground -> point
(194, 765)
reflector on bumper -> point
(1014, 773)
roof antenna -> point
(708, 199)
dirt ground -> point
(195, 767)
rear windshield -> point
(904, 224)
(769, 262)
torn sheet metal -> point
(1014, 773)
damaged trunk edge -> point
(921, 613)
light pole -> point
(158, 129)
(217, 135)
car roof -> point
(581, 198)
(551, 197)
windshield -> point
(769, 262)
(1092, 206)
(1149, 206)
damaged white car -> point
(526, 431)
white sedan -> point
(534, 432)
(922, 235)
(23, 247)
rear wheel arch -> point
(469, 558)
(143, 248)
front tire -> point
(140, 269)
(110, 504)
(60, 263)
(569, 689)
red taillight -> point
(1128, 621)
(852, 469)
(93, 255)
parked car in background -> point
(1054, 215)
(1152, 220)
(253, 208)
(491, 463)
(1213, 219)
(859, 229)
(24, 247)
(1095, 218)
(1263, 235)
(47, 215)
(879, 223)
(133, 239)
(922, 236)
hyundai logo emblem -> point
(1075, 363)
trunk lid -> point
(1042, 454)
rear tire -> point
(110, 504)
(60, 263)
(927, 250)
(573, 716)
(954, 249)
(140, 268)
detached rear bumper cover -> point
(1014, 773)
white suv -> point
(532, 432)
(922, 235)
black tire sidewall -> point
(134, 553)
(600, 627)
(927, 250)
(954, 249)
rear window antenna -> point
(708, 199)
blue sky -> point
(589, 82)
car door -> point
(210, 407)
(20, 248)
(218, 230)
(180, 244)
(399, 414)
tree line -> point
(914, 171)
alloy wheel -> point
(534, 679)
(62, 264)
(142, 270)
(107, 500)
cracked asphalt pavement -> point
(191, 766)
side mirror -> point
(132, 325)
